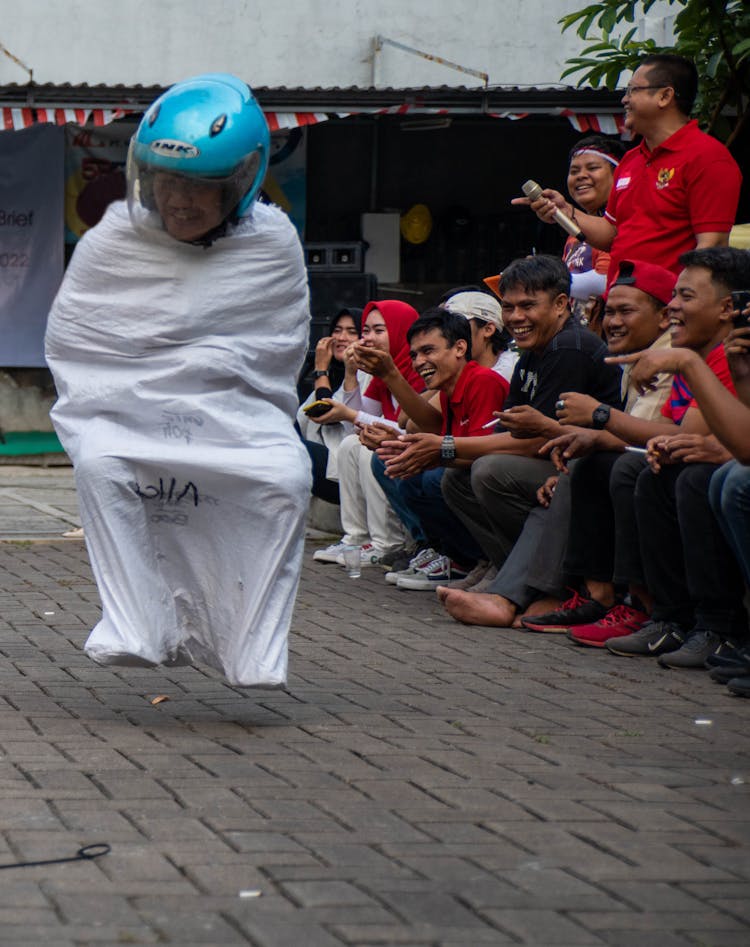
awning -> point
(18, 118)
(15, 119)
(585, 109)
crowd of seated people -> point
(617, 468)
(541, 471)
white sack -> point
(175, 367)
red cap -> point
(648, 277)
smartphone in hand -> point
(317, 409)
(740, 301)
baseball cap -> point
(493, 284)
(648, 277)
(475, 305)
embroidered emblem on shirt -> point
(622, 183)
(663, 178)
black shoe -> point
(728, 655)
(699, 644)
(576, 611)
(725, 674)
(656, 637)
(740, 686)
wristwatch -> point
(600, 416)
(447, 450)
(320, 372)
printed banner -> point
(285, 183)
(31, 246)
(94, 174)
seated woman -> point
(591, 166)
(591, 169)
(331, 371)
(366, 515)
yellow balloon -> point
(416, 224)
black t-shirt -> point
(573, 361)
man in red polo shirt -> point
(440, 345)
(676, 191)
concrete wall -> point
(286, 43)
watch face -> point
(600, 416)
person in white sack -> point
(175, 341)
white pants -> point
(366, 514)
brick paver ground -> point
(420, 782)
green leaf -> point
(713, 64)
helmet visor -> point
(187, 206)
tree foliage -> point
(715, 34)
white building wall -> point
(305, 43)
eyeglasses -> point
(629, 90)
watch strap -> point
(448, 449)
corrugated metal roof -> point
(454, 98)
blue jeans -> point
(393, 495)
(729, 495)
(423, 495)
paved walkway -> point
(420, 783)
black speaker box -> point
(329, 293)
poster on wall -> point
(94, 173)
(95, 160)
(31, 246)
(285, 183)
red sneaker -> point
(620, 620)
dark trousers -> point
(321, 487)
(603, 541)
(729, 495)
(689, 567)
(493, 498)
(535, 564)
(392, 491)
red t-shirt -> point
(479, 391)
(661, 199)
(681, 397)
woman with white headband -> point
(592, 163)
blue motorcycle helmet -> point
(199, 157)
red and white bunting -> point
(17, 118)
(282, 121)
(513, 116)
(602, 124)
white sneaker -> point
(421, 559)
(330, 553)
(430, 576)
(369, 555)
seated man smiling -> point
(635, 318)
(439, 344)
(493, 480)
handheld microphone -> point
(533, 191)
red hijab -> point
(398, 317)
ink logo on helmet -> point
(172, 148)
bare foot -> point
(540, 607)
(442, 592)
(479, 608)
